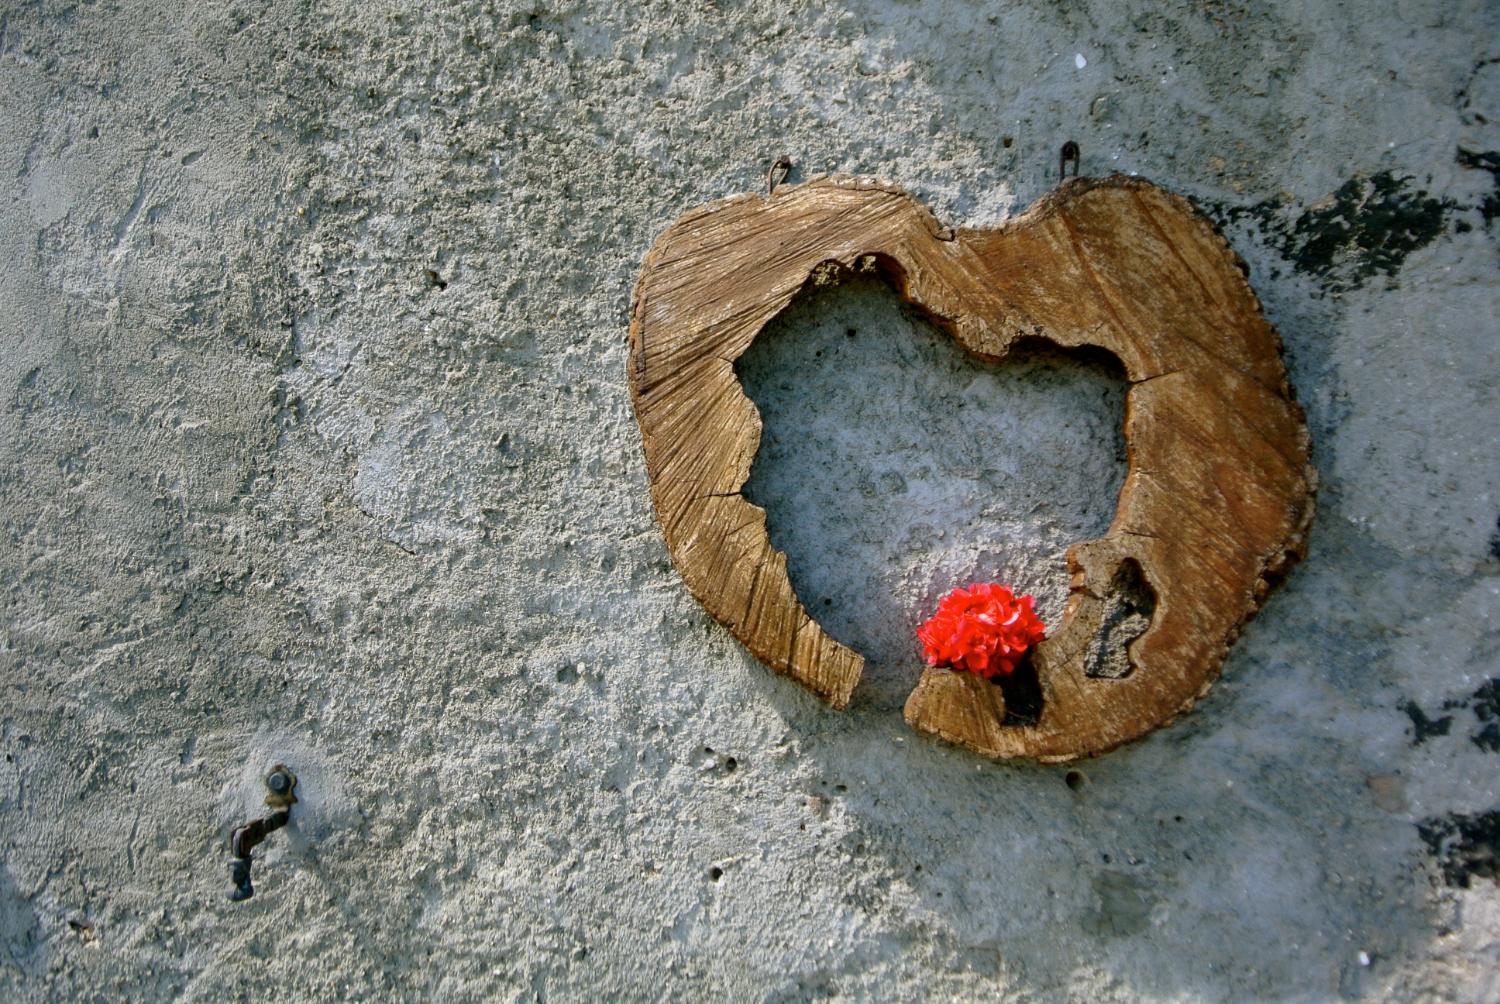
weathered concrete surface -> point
(317, 449)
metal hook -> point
(1070, 154)
(782, 164)
(281, 788)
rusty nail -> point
(1070, 154)
(782, 164)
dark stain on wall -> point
(1485, 703)
(1466, 847)
(1424, 728)
(1367, 228)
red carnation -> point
(984, 629)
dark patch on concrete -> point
(1465, 846)
(1495, 542)
(1486, 700)
(1487, 160)
(1424, 728)
(1369, 227)
(1484, 160)
(1485, 703)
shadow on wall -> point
(894, 466)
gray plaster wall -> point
(317, 449)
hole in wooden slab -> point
(894, 466)
(1022, 690)
(1128, 610)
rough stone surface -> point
(316, 449)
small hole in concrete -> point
(731, 765)
(1074, 779)
(715, 873)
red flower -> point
(984, 629)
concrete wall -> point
(317, 449)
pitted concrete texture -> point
(317, 450)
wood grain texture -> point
(1216, 503)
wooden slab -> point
(1214, 508)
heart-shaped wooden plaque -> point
(1215, 506)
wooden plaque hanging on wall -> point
(1218, 495)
